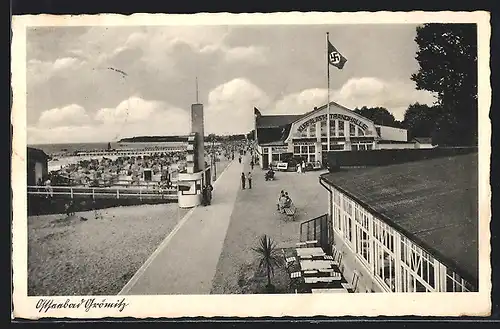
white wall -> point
(397, 146)
(425, 146)
(393, 134)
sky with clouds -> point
(73, 96)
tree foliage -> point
(269, 258)
(379, 115)
(421, 120)
(447, 57)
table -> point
(329, 291)
(313, 280)
(310, 252)
(307, 264)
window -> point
(312, 131)
(361, 132)
(323, 129)
(265, 150)
(187, 187)
(362, 242)
(303, 133)
(303, 149)
(312, 158)
(332, 127)
(312, 149)
(352, 129)
(324, 147)
(341, 128)
(275, 157)
(454, 283)
(296, 149)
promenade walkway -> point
(186, 261)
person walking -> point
(249, 177)
(239, 159)
(251, 164)
(243, 180)
(210, 188)
(303, 167)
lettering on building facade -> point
(279, 149)
(333, 116)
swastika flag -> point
(335, 58)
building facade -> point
(306, 136)
(37, 166)
(401, 243)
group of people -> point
(269, 174)
(301, 167)
(284, 201)
(245, 178)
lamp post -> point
(213, 158)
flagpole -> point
(328, 94)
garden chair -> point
(351, 287)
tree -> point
(447, 57)
(379, 115)
(421, 120)
(268, 258)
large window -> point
(312, 130)
(332, 128)
(352, 130)
(323, 129)
(419, 266)
(308, 152)
(341, 128)
(362, 146)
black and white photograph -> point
(270, 158)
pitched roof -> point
(274, 121)
(36, 153)
(432, 202)
(423, 140)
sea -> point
(62, 152)
(52, 149)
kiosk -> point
(189, 189)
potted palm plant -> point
(269, 258)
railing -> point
(104, 192)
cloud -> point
(301, 102)
(396, 96)
(66, 63)
(230, 106)
(70, 115)
(132, 117)
(246, 54)
(136, 116)
(39, 71)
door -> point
(38, 172)
(316, 229)
(265, 161)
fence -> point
(103, 192)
